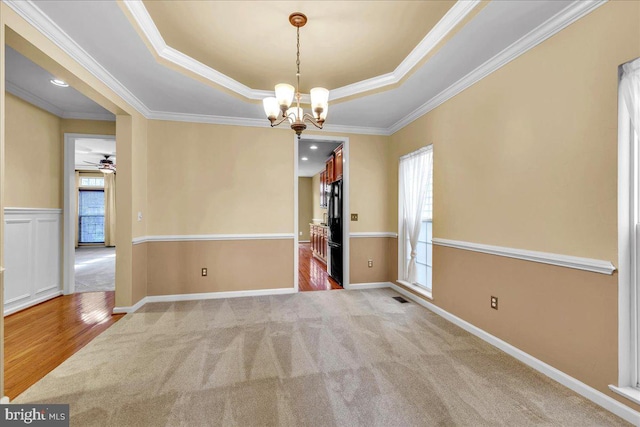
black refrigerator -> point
(335, 217)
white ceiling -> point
(497, 34)
(30, 82)
(92, 151)
(316, 159)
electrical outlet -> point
(370, 263)
(139, 216)
(354, 217)
(204, 271)
(494, 302)
(301, 233)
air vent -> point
(400, 300)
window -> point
(628, 232)
(92, 182)
(416, 219)
(91, 216)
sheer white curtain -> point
(630, 91)
(414, 182)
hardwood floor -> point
(312, 274)
(39, 338)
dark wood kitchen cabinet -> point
(330, 170)
(337, 163)
(319, 241)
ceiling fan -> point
(106, 165)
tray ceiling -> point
(105, 39)
(343, 42)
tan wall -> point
(93, 127)
(361, 250)
(318, 212)
(235, 265)
(526, 158)
(139, 177)
(559, 315)
(305, 207)
(369, 193)
(139, 272)
(33, 150)
(219, 179)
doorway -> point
(320, 213)
(90, 188)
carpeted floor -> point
(342, 358)
(95, 269)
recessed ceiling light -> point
(314, 147)
(59, 82)
(304, 159)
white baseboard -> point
(131, 309)
(579, 387)
(5, 400)
(372, 285)
(203, 296)
(32, 302)
(304, 241)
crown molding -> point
(29, 97)
(562, 19)
(259, 123)
(448, 22)
(38, 19)
(32, 99)
(574, 11)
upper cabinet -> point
(330, 170)
(331, 173)
(337, 163)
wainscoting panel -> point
(32, 257)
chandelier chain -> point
(298, 58)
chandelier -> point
(281, 103)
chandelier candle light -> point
(281, 103)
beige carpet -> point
(341, 358)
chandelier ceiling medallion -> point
(285, 93)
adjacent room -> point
(320, 219)
(95, 184)
(330, 213)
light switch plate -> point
(139, 216)
(354, 217)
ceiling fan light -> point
(271, 107)
(106, 170)
(284, 95)
(319, 98)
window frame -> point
(628, 384)
(402, 233)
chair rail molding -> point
(578, 263)
(212, 237)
